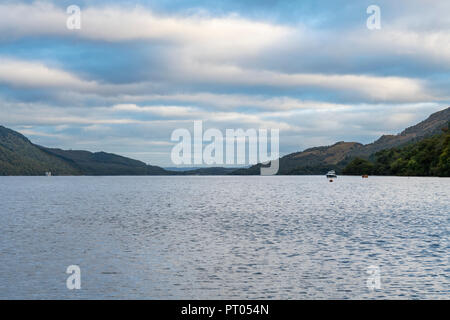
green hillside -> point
(428, 157)
(18, 156)
(102, 163)
(319, 160)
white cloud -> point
(231, 33)
(39, 18)
(232, 101)
(207, 50)
(422, 45)
(35, 74)
(376, 88)
(229, 37)
(166, 111)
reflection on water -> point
(224, 237)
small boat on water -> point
(331, 174)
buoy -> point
(331, 180)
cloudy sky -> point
(137, 70)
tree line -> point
(428, 157)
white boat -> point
(48, 174)
(331, 174)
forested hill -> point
(428, 157)
(103, 163)
(19, 156)
(319, 160)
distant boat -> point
(331, 174)
(48, 174)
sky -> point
(138, 70)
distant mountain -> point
(310, 161)
(181, 168)
(431, 126)
(103, 164)
(319, 160)
(19, 156)
(427, 157)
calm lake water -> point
(224, 237)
